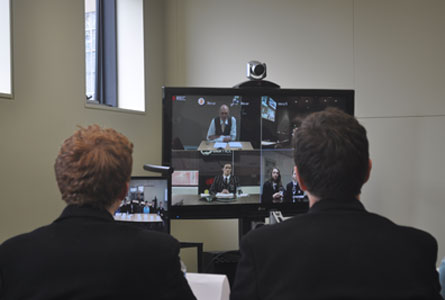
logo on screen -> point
(201, 101)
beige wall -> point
(49, 88)
(390, 51)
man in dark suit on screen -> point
(85, 254)
(226, 182)
(337, 250)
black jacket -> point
(218, 184)
(337, 250)
(85, 254)
(292, 193)
(269, 190)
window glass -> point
(114, 53)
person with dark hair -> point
(293, 192)
(338, 250)
(85, 254)
(226, 182)
(223, 127)
(273, 188)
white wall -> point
(392, 52)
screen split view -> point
(237, 149)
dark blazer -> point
(85, 254)
(290, 193)
(218, 184)
(337, 250)
(268, 191)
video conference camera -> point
(256, 70)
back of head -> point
(93, 166)
(331, 153)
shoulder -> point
(411, 237)
(24, 244)
(25, 238)
(140, 241)
(140, 235)
(162, 239)
(267, 184)
(418, 237)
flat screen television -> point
(247, 130)
(146, 194)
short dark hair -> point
(331, 152)
(93, 166)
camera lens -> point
(258, 70)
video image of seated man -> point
(293, 191)
(225, 183)
(223, 127)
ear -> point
(368, 174)
(299, 180)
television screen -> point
(231, 148)
(268, 108)
(146, 195)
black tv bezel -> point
(259, 210)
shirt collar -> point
(225, 122)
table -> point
(142, 218)
(180, 199)
(146, 221)
(210, 146)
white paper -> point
(235, 145)
(223, 195)
(209, 286)
(220, 145)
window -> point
(5, 49)
(114, 53)
(90, 47)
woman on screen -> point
(273, 188)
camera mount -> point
(256, 72)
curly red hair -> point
(93, 166)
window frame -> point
(10, 96)
(96, 103)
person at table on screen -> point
(226, 182)
(223, 127)
(273, 188)
(79, 255)
(293, 192)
